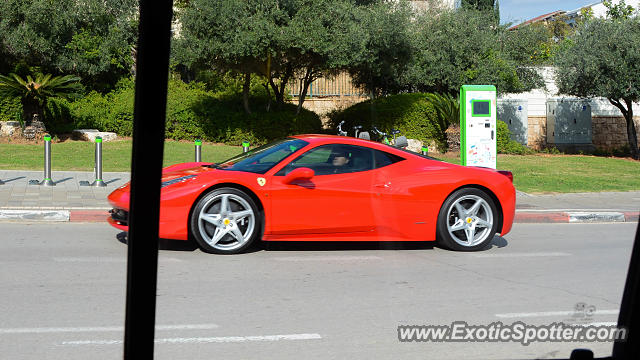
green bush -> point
(57, 116)
(504, 143)
(195, 113)
(58, 119)
(10, 109)
(412, 114)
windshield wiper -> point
(214, 166)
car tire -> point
(468, 220)
(225, 221)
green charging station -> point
(478, 125)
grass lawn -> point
(543, 173)
(532, 173)
(116, 155)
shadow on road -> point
(190, 245)
(343, 245)
(496, 242)
(165, 244)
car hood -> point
(185, 169)
(119, 198)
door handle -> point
(385, 185)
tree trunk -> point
(631, 131)
(279, 90)
(266, 87)
(245, 92)
(631, 127)
(306, 81)
(276, 92)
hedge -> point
(195, 113)
(412, 114)
(10, 109)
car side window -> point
(383, 158)
(333, 159)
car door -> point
(403, 205)
(336, 200)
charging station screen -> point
(481, 108)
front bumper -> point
(119, 219)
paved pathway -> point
(17, 193)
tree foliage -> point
(386, 48)
(278, 40)
(603, 60)
(482, 5)
(618, 11)
(461, 47)
(89, 38)
(490, 8)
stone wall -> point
(323, 105)
(610, 132)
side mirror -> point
(302, 173)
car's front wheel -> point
(225, 221)
(468, 220)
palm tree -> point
(447, 109)
(34, 92)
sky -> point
(517, 11)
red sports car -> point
(329, 188)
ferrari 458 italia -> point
(329, 188)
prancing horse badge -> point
(262, 181)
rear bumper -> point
(508, 204)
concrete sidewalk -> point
(16, 193)
(68, 201)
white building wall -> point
(537, 98)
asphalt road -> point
(63, 288)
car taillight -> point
(507, 174)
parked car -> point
(329, 188)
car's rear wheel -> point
(468, 220)
(225, 221)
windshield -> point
(263, 158)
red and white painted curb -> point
(54, 215)
(575, 216)
(101, 215)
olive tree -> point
(386, 30)
(603, 60)
(460, 47)
(278, 40)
